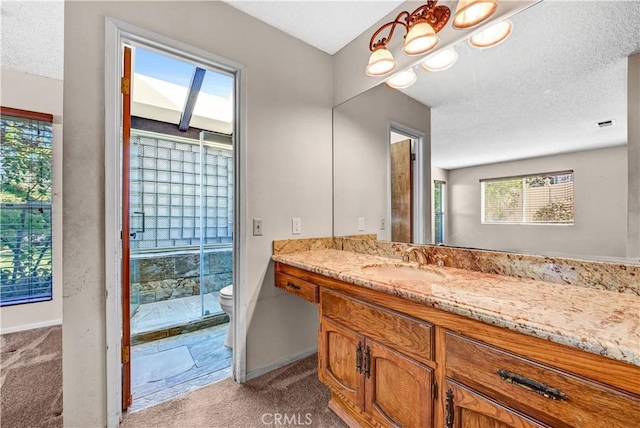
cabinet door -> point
(340, 361)
(398, 391)
(465, 408)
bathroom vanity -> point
(427, 346)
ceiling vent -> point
(606, 123)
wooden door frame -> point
(421, 189)
(118, 33)
(125, 279)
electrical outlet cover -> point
(296, 226)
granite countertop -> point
(596, 321)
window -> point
(165, 192)
(439, 198)
(25, 207)
(530, 199)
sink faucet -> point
(420, 256)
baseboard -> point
(24, 327)
(280, 363)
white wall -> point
(361, 156)
(633, 146)
(600, 207)
(30, 92)
(288, 136)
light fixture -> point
(470, 13)
(441, 61)
(381, 62)
(492, 36)
(420, 39)
(404, 79)
(421, 27)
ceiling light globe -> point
(441, 61)
(420, 39)
(492, 36)
(381, 62)
(403, 79)
(470, 13)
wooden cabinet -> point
(554, 397)
(340, 361)
(376, 384)
(299, 287)
(398, 390)
(465, 408)
(392, 362)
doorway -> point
(401, 159)
(409, 190)
(178, 224)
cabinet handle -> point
(532, 385)
(359, 357)
(448, 422)
(367, 362)
(292, 285)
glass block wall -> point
(165, 193)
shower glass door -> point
(181, 220)
(216, 219)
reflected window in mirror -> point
(439, 207)
(531, 199)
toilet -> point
(226, 303)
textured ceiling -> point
(540, 92)
(328, 25)
(33, 37)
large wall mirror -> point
(521, 147)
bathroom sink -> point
(405, 272)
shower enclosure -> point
(181, 230)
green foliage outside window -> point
(25, 217)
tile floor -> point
(167, 313)
(166, 368)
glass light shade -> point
(403, 79)
(421, 38)
(470, 13)
(441, 60)
(492, 36)
(381, 62)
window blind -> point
(531, 199)
(25, 207)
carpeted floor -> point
(290, 396)
(31, 378)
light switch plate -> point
(383, 224)
(257, 227)
(296, 226)
(360, 223)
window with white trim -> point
(528, 199)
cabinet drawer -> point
(297, 286)
(406, 335)
(551, 396)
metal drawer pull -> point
(359, 357)
(367, 362)
(292, 285)
(448, 422)
(532, 385)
